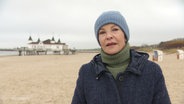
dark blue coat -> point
(141, 83)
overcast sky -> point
(149, 21)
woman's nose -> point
(109, 35)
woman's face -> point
(111, 38)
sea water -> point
(8, 53)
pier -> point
(23, 51)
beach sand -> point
(51, 79)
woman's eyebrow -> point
(114, 25)
(101, 29)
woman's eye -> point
(115, 29)
(102, 32)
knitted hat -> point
(114, 17)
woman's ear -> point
(126, 40)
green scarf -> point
(118, 62)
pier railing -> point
(26, 51)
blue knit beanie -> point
(114, 17)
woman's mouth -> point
(110, 44)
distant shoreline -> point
(10, 49)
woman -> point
(119, 75)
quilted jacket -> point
(141, 83)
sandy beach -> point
(51, 79)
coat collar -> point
(137, 60)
